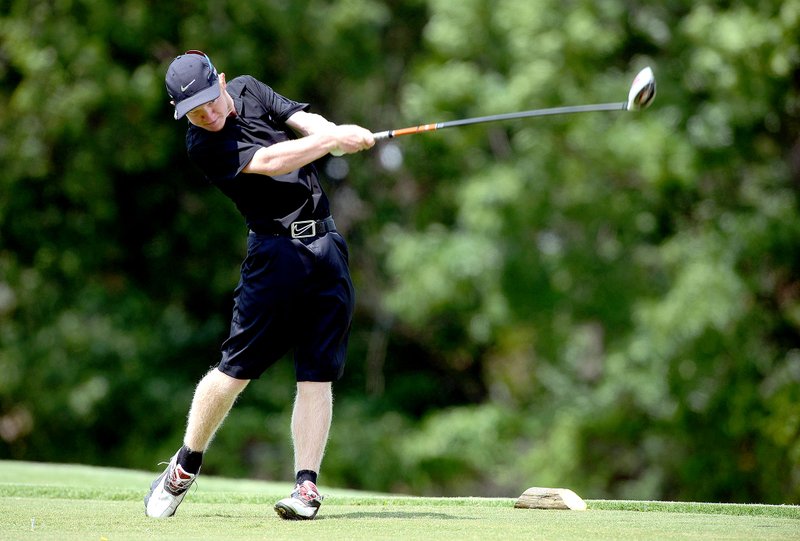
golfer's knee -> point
(225, 383)
(313, 388)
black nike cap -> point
(191, 81)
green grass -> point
(65, 502)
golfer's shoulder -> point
(243, 83)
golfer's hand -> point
(351, 138)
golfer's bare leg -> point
(311, 422)
(213, 399)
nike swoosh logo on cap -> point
(183, 88)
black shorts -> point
(293, 294)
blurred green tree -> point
(633, 279)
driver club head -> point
(643, 90)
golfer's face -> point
(211, 115)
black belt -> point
(303, 229)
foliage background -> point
(609, 302)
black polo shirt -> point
(265, 202)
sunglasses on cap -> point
(212, 70)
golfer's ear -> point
(222, 80)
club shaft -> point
(389, 134)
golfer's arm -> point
(281, 158)
(288, 156)
(307, 123)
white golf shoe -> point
(303, 504)
(167, 491)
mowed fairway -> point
(61, 502)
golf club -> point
(640, 96)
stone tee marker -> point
(550, 498)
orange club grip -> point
(414, 129)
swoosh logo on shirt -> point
(183, 88)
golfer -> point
(295, 291)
